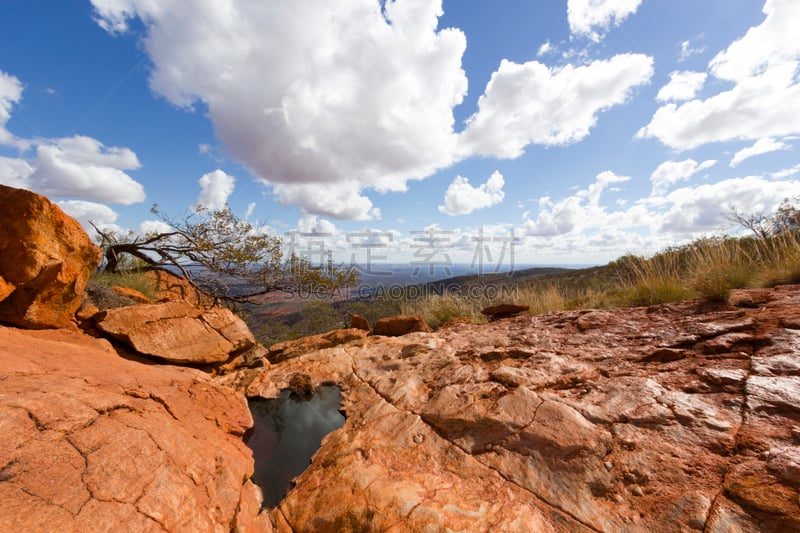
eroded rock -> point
(178, 332)
(396, 326)
(47, 259)
(496, 312)
(93, 442)
(647, 419)
(281, 351)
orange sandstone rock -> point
(90, 441)
(178, 332)
(395, 326)
(643, 419)
(45, 261)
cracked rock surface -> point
(179, 332)
(668, 418)
(90, 441)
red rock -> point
(169, 287)
(86, 311)
(496, 312)
(133, 294)
(541, 424)
(90, 441)
(281, 351)
(359, 322)
(455, 322)
(301, 384)
(45, 261)
(396, 326)
(178, 332)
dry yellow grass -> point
(706, 268)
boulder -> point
(170, 287)
(133, 294)
(359, 322)
(90, 441)
(281, 351)
(178, 332)
(496, 312)
(396, 326)
(46, 259)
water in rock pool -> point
(286, 432)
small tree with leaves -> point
(222, 256)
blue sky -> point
(569, 131)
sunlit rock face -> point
(179, 332)
(668, 418)
(90, 441)
(45, 261)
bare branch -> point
(222, 256)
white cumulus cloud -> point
(76, 167)
(15, 172)
(82, 167)
(682, 86)
(708, 206)
(85, 212)
(531, 103)
(312, 224)
(765, 100)
(786, 172)
(574, 213)
(761, 146)
(215, 188)
(462, 198)
(593, 18)
(312, 95)
(147, 227)
(669, 173)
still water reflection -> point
(286, 432)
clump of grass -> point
(543, 298)
(652, 281)
(717, 266)
(101, 293)
(779, 260)
(436, 310)
(133, 279)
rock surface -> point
(396, 326)
(133, 294)
(169, 287)
(359, 322)
(496, 312)
(179, 332)
(90, 441)
(281, 351)
(647, 419)
(47, 259)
